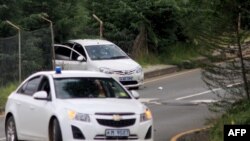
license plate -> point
(128, 78)
(117, 132)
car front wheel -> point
(10, 130)
(55, 134)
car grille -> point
(120, 123)
(111, 114)
(103, 137)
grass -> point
(4, 93)
(238, 114)
(176, 54)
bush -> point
(4, 93)
(238, 114)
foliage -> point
(126, 20)
(238, 114)
(67, 16)
(219, 27)
(4, 93)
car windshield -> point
(105, 52)
(67, 88)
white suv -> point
(74, 106)
(102, 56)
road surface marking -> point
(169, 76)
(2, 139)
(146, 100)
(203, 101)
(202, 93)
(209, 91)
(231, 85)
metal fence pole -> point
(101, 25)
(52, 41)
(19, 49)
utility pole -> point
(19, 49)
(101, 25)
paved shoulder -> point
(2, 138)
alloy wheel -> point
(11, 130)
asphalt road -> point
(1, 129)
(178, 102)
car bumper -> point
(94, 131)
(130, 81)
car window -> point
(44, 85)
(88, 88)
(62, 53)
(69, 44)
(104, 52)
(30, 87)
(79, 49)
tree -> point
(137, 26)
(65, 15)
(224, 35)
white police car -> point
(75, 105)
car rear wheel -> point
(55, 134)
(10, 130)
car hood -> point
(104, 105)
(117, 64)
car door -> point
(24, 107)
(42, 110)
(68, 58)
(33, 114)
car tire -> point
(10, 129)
(56, 134)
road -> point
(177, 102)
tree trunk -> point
(140, 45)
(243, 69)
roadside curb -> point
(158, 71)
(178, 136)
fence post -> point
(52, 40)
(101, 25)
(19, 49)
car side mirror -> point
(41, 95)
(81, 58)
(135, 94)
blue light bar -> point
(58, 70)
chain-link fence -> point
(8, 60)
(36, 55)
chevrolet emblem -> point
(117, 117)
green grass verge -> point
(4, 93)
(180, 54)
(238, 114)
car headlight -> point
(138, 70)
(147, 115)
(106, 70)
(78, 116)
